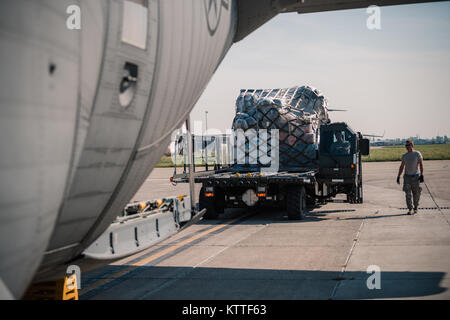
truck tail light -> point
(209, 192)
(261, 195)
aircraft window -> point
(135, 23)
(128, 84)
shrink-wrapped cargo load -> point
(296, 112)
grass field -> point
(429, 152)
(166, 161)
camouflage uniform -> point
(411, 185)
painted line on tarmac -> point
(183, 274)
(144, 261)
(106, 271)
(148, 252)
(96, 274)
(133, 271)
(344, 267)
(102, 283)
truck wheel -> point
(310, 202)
(355, 195)
(352, 194)
(296, 203)
(360, 194)
(208, 204)
(219, 201)
(351, 197)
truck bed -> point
(254, 178)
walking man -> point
(411, 162)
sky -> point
(394, 80)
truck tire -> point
(296, 203)
(355, 196)
(219, 200)
(208, 204)
(360, 194)
(349, 198)
(310, 201)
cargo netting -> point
(296, 112)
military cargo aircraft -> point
(90, 94)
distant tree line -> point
(417, 141)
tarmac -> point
(332, 254)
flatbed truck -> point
(334, 172)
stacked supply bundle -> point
(296, 112)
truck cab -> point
(339, 161)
